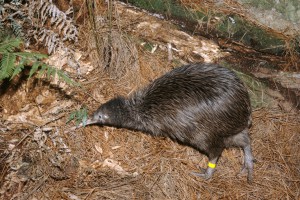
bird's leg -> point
(209, 170)
(248, 162)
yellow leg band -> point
(211, 165)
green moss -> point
(263, 4)
(290, 9)
(169, 8)
(242, 31)
(231, 26)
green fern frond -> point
(34, 68)
(9, 45)
(63, 76)
(41, 72)
(31, 55)
(80, 116)
(17, 70)
(51, 71)
(7, 65)
(46, 70)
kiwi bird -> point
(204, 106)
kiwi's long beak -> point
(88, 122)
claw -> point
(246, 171)
(202, 175)
(207, 175)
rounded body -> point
(200, 105)
(204, 106)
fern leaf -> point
(7, 65)
(66, 78)
(8, 45)
(19, 67)
(42, 70)
(79, 116)
(34, 68)
(51, 71)
(71, 117)
(17, 70)
(30, 55)
(9, 68)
